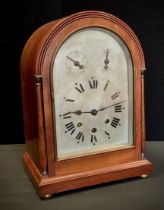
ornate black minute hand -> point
(107, 107)
(76, 63)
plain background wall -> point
(20, 18)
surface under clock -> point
(93, 76)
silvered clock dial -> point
(94, 101)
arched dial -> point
(93, 82)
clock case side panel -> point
(32, 99)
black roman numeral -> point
(70, 126)
(79, 88)
(67, 115)
(107, 134)
(93, 83)
(80, 136)
(115, 95)
(70, 100)
(106, 85)
(93, 139)
(118, 108)
(115, 122)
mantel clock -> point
(83, 101)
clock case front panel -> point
(49, 174)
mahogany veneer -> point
(49, 174)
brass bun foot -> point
(47, 196)
(144, 176)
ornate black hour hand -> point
(107, 107)
(76, 63)
(106, 61)
(79, 112)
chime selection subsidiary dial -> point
(76, 61)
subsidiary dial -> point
(107, 60)
(76, 61)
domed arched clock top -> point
(83, 101)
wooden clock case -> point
(48, 173)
